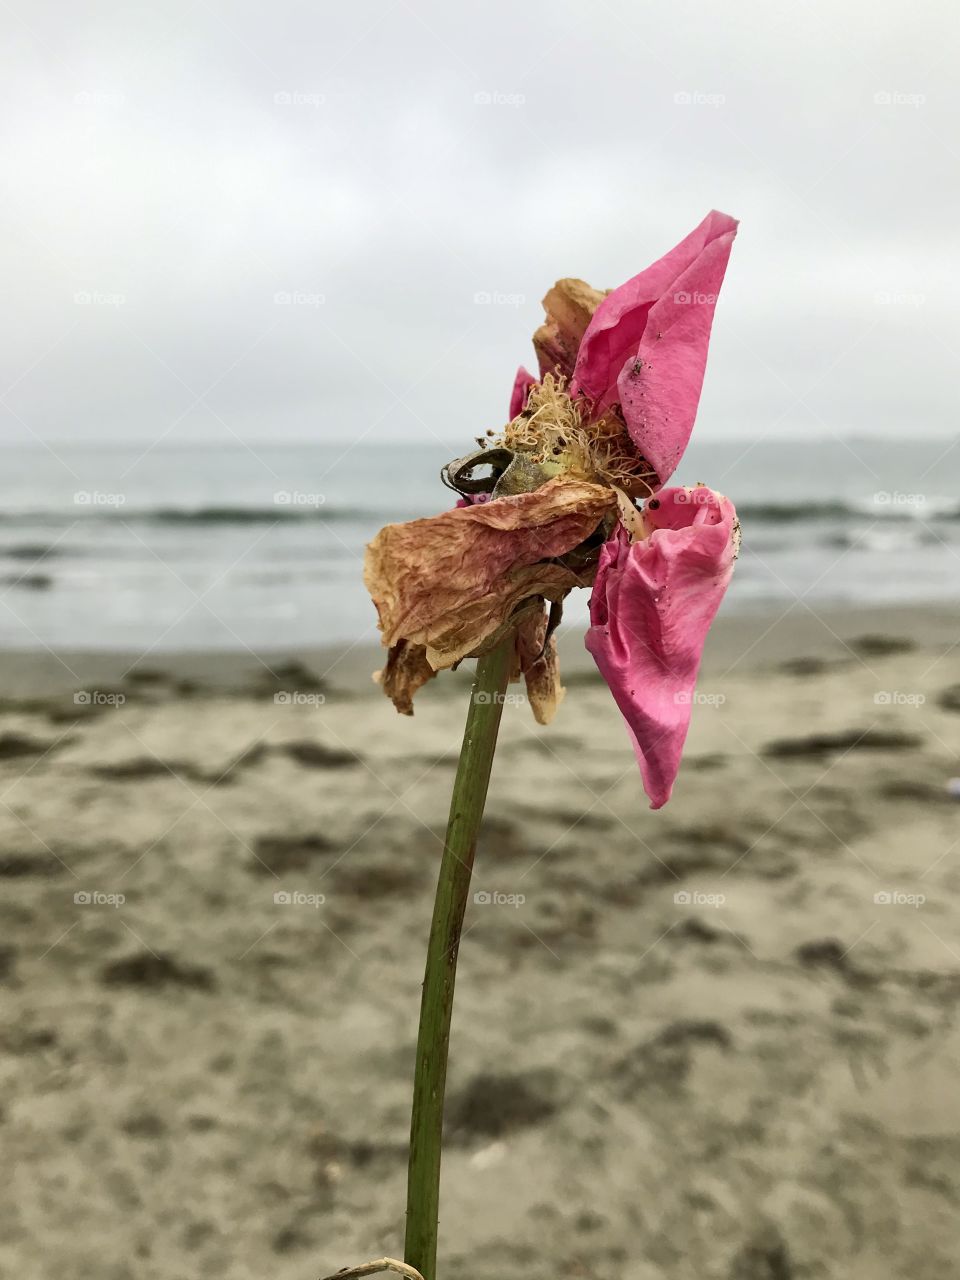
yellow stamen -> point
(552, 432)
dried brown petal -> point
(449, 581)
(539, 666)
(569, 306)
(466, 634)
(407, 670)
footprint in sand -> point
(14, 746)
(139, 768)
(278, 855)
(8, 961)
(822, 744)
(879, 646)
(16, 866)
(386, 879)
(665, 1060)
(492, 1105)
(314, 755)
(830, 953)
(156, 972)
(147, 677)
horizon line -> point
(162, 445)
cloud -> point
(298, 207)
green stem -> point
(436, 1005)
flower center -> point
(553, 435)
(556, 432)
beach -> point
(482, 332)
(718, 1040)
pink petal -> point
(521, 385)
(652, 604)
(646, 345)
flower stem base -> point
(436, 1007)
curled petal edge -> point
(646, 345)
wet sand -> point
(715, 1041)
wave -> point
(31, 551)
(213, 515)
(887, 507)
(246, 515)
(906, 507)
(887, 541)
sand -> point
(687, 1044)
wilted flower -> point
(550, 504)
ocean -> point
(229, 548)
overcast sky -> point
(271, 221)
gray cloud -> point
(272, 221)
